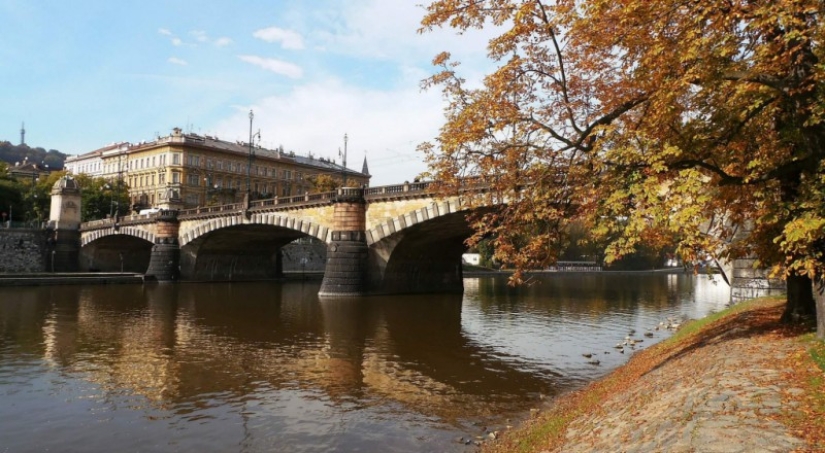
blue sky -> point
(85, 73)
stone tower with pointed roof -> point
(365, 169)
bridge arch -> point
(398, 223)
(140, 233)
(238, 249)
(195, 228)
(126, 249)
(420, 250)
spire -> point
(23, 134)
(365, 169)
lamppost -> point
(210, 190)
(251, 156)
(249, 163)
(344, 169)
(111, 198)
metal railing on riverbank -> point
(22, 225)
(576, 266)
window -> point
(192, 180)
(175, 177)
(176, 159)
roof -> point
(242, 149)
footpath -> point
(739, 383)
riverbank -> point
(736, 381)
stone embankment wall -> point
(22, 251)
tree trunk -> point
(819, 297)
(801, 305)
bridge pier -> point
(346, 270)
(164, 262)
(64, 226)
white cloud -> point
(223, 42)
(199, 35)
(177, 41)
(387, 125)
(355, 30)
(164, 32)
(277, 66)
(177, 61)
(288, 38)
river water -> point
(264, 367)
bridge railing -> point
(397, 189)
(133, 219)
(413, 189)
(314, 198)
(211, 209)
(576, 266)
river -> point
(264, 367)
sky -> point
(82, 74)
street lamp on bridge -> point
(251, 155)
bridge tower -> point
(64, 225)
(164, 262)
(346, 270)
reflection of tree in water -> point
(585, 293)
(429, 351)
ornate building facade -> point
(185, 170)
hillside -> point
(12, 154)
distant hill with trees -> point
(13, 154)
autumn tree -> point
(323, 183)
(695, 120)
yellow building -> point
(189, 170)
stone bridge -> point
(390, 239)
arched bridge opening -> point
(421, 258)
(116, 253)
(237, 253)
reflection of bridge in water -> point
(392, 239)
(173, 344)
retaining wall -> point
(22, 250)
